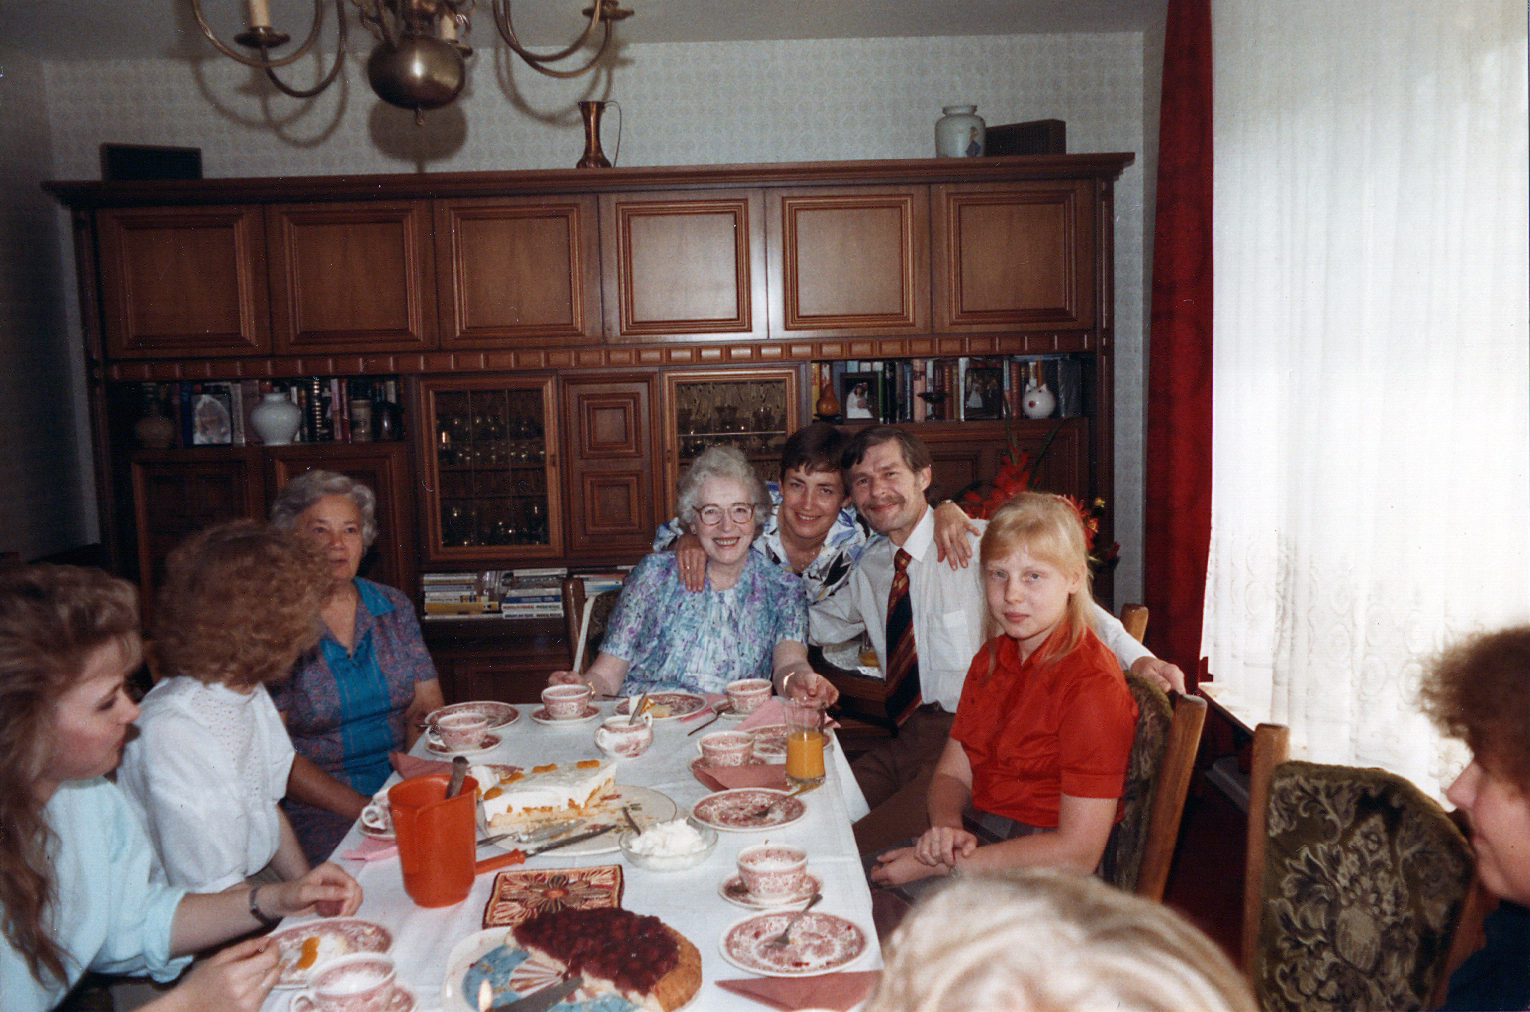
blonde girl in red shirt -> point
(1033, 771)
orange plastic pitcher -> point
(435, 838)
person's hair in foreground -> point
(52, 619)
(239, 604)
(1047, 527)
(1479, 692)
(1049, 941)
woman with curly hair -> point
(365, 690)
(238, 606)
(75, 886)
(1479, 692)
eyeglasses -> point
(739, 512)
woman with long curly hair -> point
(238, 606)
(75, 886)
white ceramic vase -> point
(960, 133)
(1038, 401)
(276, 418)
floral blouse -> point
(672, 639)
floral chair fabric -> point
(1123, 853)
(1364, 882)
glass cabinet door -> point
(754, 410)
(492, 470)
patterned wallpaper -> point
(713, 103)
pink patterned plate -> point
(672, 704)
(332, 937)
(820, 943)
(435, 746)
(734, 810)
(400, 999)
(499, 714)
(733, 890)
(770, 742)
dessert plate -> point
(303, 946)
(435, 746)
(667, 705)
(734, 810)
(499, 714)
(541, 716)
(820, 943)
(733, 890)
(647, 805)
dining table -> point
(689, 901)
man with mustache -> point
(938, 625)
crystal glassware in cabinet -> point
(492, 489)
(754, 410)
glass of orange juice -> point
(804, 742)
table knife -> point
(576, 838)
(543, 999)
(519, 856)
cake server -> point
(543, 999)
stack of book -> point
(963, 389)
(533, 593)
(456, 594)
(217, 412)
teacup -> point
(565, 702)
(462, 730)
(727, 748)
(748, 694)
(377, 816)
(622, 738)
(772, 872)
(360, 982)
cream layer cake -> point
(545, 793)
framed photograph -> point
(983, 392)
(861, 396)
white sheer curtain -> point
(1371, 475)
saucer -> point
(732, 889)
(435, 746)
(400, 999)
(541, 716)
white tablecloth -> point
(688, 900)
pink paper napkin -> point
(710, 710)
(727, 778)
(370, 849)
(831, 990)
(773, 712)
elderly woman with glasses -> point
(749, 621)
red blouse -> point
(1037, 730)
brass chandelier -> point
(419, 60)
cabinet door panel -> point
(178, 494)
(351, 277)
(693, 267)
(848, 260)
(518, 271)
(969, 452)
(183, 281)
(382, 467)
(611, 471)
(1018, 257)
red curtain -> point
(1177, 471)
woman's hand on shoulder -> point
(236, 979)
(690, 562)
(952, 526)
(326, 890)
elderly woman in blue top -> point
(749, 621)
(366, 688)
(75, 886)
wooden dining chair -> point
(586, 618)
(1355, 885)
(1158, 774)
(1135, 618)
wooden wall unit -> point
(612, 296)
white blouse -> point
(205, 773)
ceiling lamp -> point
(418, 62)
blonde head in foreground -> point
(1039, 940)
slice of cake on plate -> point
(545, 794)
(617, 952)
